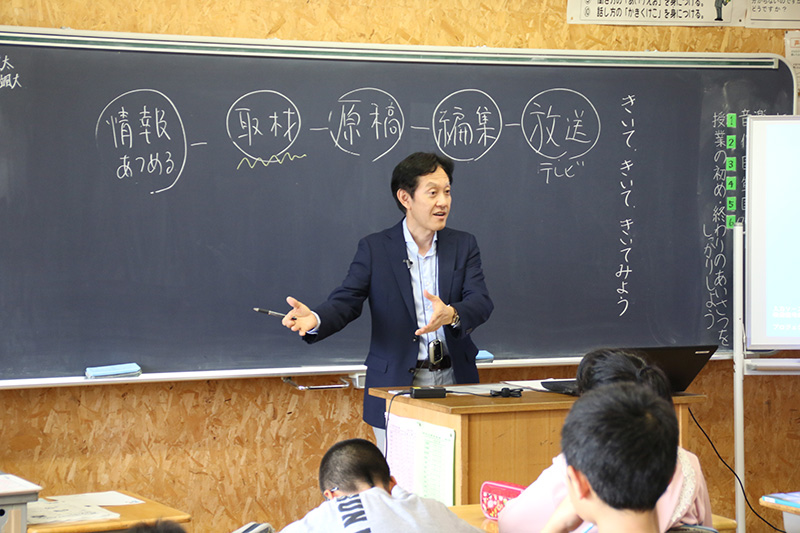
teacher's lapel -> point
(446, 250)
(398, 259)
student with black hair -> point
(362, 496)
(620, 442)
(161, 526)
(686, 499)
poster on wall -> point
(749, 13)
(773, 14)
(792, 54)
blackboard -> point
(152, 192)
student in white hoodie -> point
(361, 497)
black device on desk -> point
(428, 392)
(563, 386)
(681, 364)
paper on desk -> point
(530, 384)
(109, 497)
(46, 512)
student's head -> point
(607, 366)
(351, 466)
(162, 526)
(623, 440)
(406, 175)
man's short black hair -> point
(350, 463)
(606, 366)
(407, 172)
(624, 439)
(161, 526)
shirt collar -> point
(411, 244)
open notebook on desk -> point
(78, 507)
(681, 364)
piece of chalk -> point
(484, 356)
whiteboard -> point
(772, 242)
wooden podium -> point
(502, 439)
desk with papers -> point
(106, 511)
(15, 493)
(789, 508)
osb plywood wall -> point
(227, 452)
(500, 23)
(233, 451)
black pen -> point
(271, 313)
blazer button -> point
(414, 339)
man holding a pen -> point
(425, 287)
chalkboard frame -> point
(378, 52)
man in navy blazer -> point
(425, 288)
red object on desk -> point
(495, 494)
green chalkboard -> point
(152, 192)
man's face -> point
(429, 207)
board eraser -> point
(123, 370)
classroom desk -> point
(15, 494)
(791, 515)
(503, 439)
(129, 516)
(472, 513)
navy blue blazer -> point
(379, 274)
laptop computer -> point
(681, 364)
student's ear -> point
(579, 483)
(329, 495)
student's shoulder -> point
(437, 516)
(318, 520)
(685, 457)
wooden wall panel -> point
(772, 432)
(494, 23)
(232, 451)
(225, 451)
